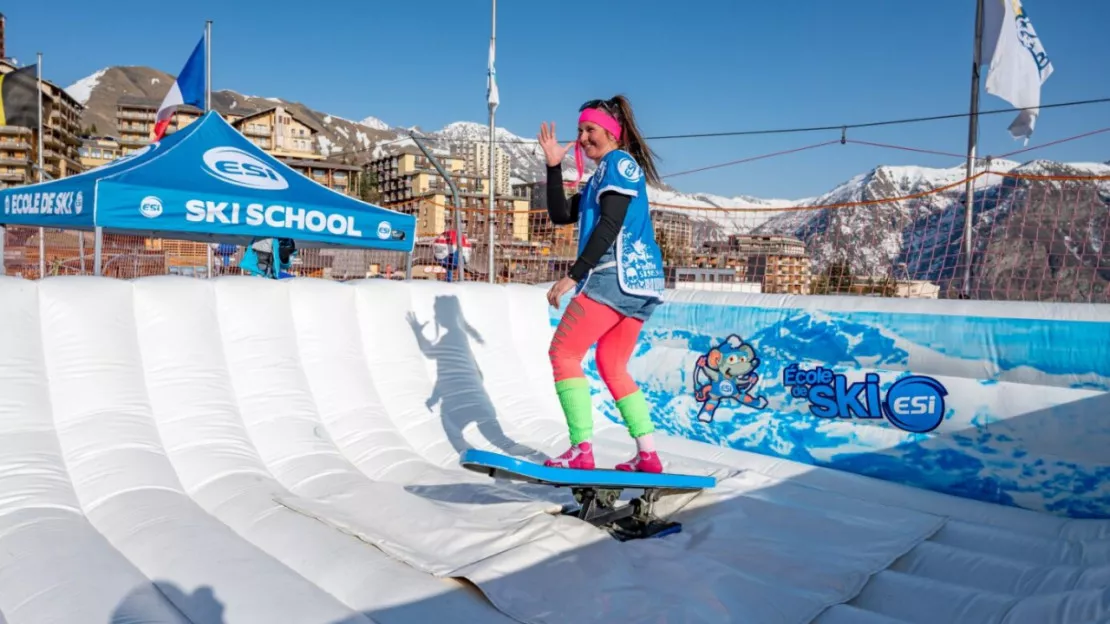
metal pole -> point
(207, 107)
(98, 250)
(972, 140)
(208, 66)
(454, 200)
(492, 157)
(42, 172)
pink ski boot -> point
(580, 456)
(644, 461)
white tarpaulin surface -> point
(242, 450)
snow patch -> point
(82, 89)
(375, 123)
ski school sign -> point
(44, 203)
(274, 215)
(914, 403)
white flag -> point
(1018, 62)
(491, 81)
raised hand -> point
(552, 151)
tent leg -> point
(3, 235)
(42, 250)
(408, 266)
(98, 244)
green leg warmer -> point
(574, 396)
(636, 414)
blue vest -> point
(639, 261)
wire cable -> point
(747, 160)
(840, 127)
(873, 124)
(980, 159)
(1057, 142)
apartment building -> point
(406, 174)
(135, 118)
(780, 263)
(275, 130)
(96, 151)
(434, 210)
(281, 133)
(561, 239)
(409, 182)
(477, 163)
(334, 175)
(62, 124)
(293, 140)
(674, 231)
(16, 155)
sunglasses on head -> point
(605, 105)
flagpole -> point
(492, 157)
(42, 176)
(972, 144)
(208, 66)
(209, 254)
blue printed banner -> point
(1014, 411)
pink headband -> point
(601, 118)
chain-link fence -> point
(1033, 237)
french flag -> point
(187, 89)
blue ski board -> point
(520, 470)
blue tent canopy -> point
(207, 182)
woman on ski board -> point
(617, 276)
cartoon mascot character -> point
(727, 373)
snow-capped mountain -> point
(375, 123)
(525, 156)
(909, 221)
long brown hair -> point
(631, 140)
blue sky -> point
(726, 65)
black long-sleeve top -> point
(614, 206)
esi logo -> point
(629, 170)
(385, 230)
(150, 207)
(914, 403)
(242, 169)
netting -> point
(1033, 238)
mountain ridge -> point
(899, 209)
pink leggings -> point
(584, 323)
